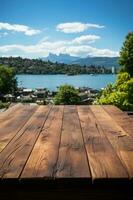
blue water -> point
(52, 81)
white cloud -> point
(19, 28)
(85, 39)
(76, 27)
(75, 47)
(86, 50)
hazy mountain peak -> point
(68, 59)
(61, 58)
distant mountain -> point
(61, 58)
(98, 61)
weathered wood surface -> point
(12, 120)
(72, 160)
(117, 136)
(45, 153)
(122, 118)
(15, 155)
(103, 160)
(66, 142)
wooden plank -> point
(72, 160)
(120, 140)
(103, 160)
(12, 121)
(9, 111)
(16, 153)
(43, 158)
(123, 119)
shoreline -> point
(69, 74)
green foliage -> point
(119, 94)
(37, 66)
(126, 55)
(8, 81)
(4, 105)
(122, 78)
(67, 95)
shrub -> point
(119, 94)
(67, 95)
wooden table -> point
(77, 148)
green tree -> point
(67, 95)
(37, 66)
(126, 54)
(8, 82)
(121, 92)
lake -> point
(51, 82)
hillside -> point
(37, 66)
(97, 61)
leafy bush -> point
(8, 81)
(4, 105)
(67, 95)
(119, 94)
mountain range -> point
(97, 61)
(61, 58)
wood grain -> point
(72, 160)
(10, 110)
(12, 120)
(119, 138)
(103, 160)
(43, 158)
(65, 143)
(121, 118)
(16, 153)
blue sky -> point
(35, 28)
